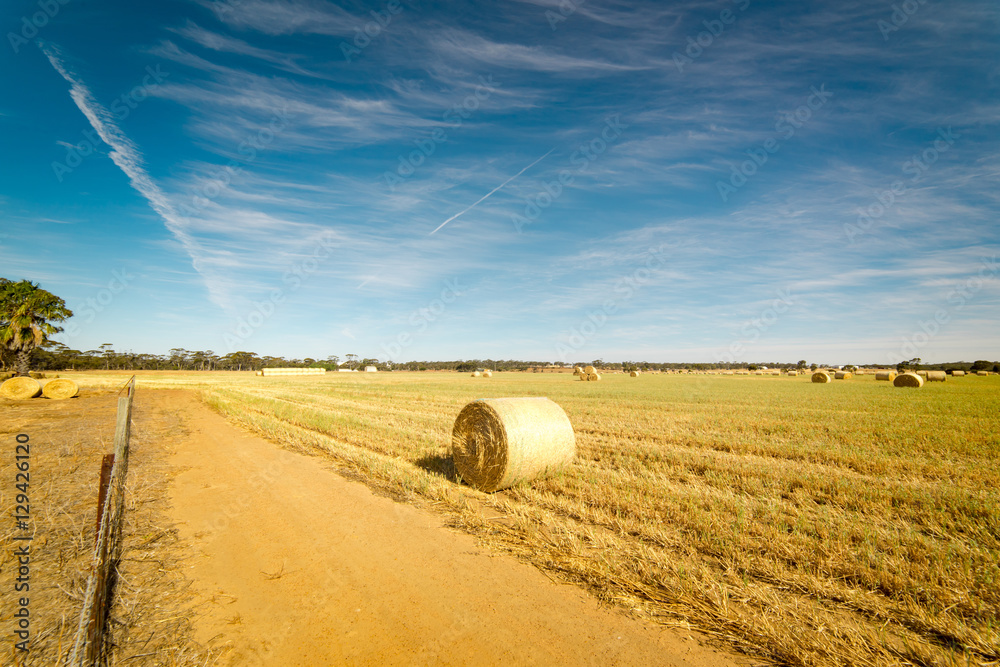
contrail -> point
(491, 192)
(128, 158)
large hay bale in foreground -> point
(60, 389)
(20, 388)
(821, 377)
(936, 376)
(842, 375)
(885, 376)
(908, 380)
(958, 374)
(593, 377)
(499, 442)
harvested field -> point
(862, 527)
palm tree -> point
(26, 316)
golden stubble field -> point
(846, 523)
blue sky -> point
(543, 179)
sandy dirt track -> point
(297, 565)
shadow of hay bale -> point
(439, 464)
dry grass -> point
(68, 440)
(856, 527)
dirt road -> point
(299, 566)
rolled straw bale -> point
(908, 380)
(922, 374)
(589, 370)
(634, 374)
(821, 377)
(60, 389)
(792, 373)
(20, 388)
(775, 372)
(499, 442)
(936, 376)
(487, 374)
(842, 375)
(982, 373)
(476, 374)
(593, 377)
(885, 376)
(958, 374)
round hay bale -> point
(499, 442)
(488, 374)
(982, 373)
(60, 389)
(958, 374)
(885, 376)
(842, 375)
(792, 373)
(821, 377)
(20, 388)
(593, 377)
(589, 370)
(936, 376)
(476, 374)
(908, 380)
(634, 374)
(922, 374)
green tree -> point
(26, 316)
(801, 364)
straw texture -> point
(20, 388)
(821, 377)
(60, 389)
(908, 380)
(500, 442)
(886, 376)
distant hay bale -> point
(476, 374)
(634, 374)
(936, 376)
(487, 374)
(593, 377)
(275, 372)
(821, 377)
(958, 374)
(842, 375)
(775, 372)
(20, 388)
(908, 380)
(922, 374)
(885, 376)
(982, 373)
(589, 370)
(60, 389)
(500, 442)
(792, 373)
